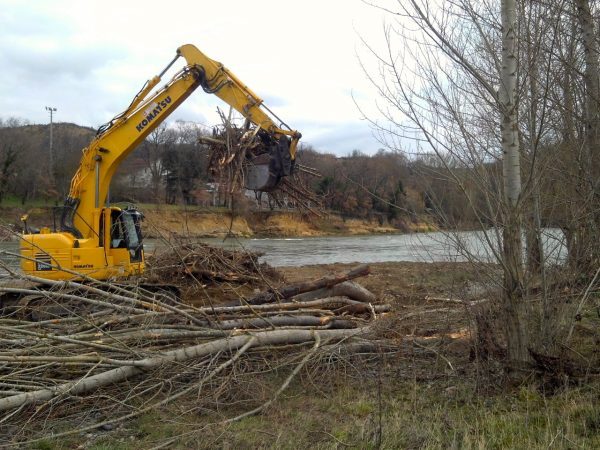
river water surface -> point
(416, 247)
(421, 247)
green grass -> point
(342, 409)
(428, 415)
(15, 202)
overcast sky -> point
(88, 58)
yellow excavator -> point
(99, 241)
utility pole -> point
(51, 110)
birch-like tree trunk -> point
(532, 37)
(516, 337)
(587, 234)
(592, 71)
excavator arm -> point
(218, 80)
(101, 241)
(117, 139)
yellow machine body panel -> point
(60, 256)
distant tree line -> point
(25, 171)
(166, 168)
(170, 167)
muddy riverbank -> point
(169, 221)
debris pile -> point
(196, 261)
(137, 351)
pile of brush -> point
(189, 262)
(232, 148)
(138, 350)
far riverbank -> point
(167, 221)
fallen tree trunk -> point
(287, 321)
(348, 289)
(286, 292)
(328, 302)
(262, 338)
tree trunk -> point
(291, 290)
(588, 230)
(533, 233)
(261, 339)
(516, 337)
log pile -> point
(137, 350)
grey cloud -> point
(21, 19)
(34, 63)
(67, 82)
(38, 44)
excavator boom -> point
(100, 241)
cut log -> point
(211, 140)
(286, 292)
(329, 302)
(349, 289)
(262, 338)
(287, 321)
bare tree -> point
(160, 141)
(586, 248)
(455, 88)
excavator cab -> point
(61, 255)
(125, 241)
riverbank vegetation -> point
(503, 96)
(168, 221)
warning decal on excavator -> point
(43, 262)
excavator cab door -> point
(126, 232)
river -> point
(421, 247)
(416, 247)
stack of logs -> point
(134, 341)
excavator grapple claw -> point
(265, 171)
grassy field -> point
(349, 413)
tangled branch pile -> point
(231, 149)
(198, 261)
(138, 351)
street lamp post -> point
(51, 110)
